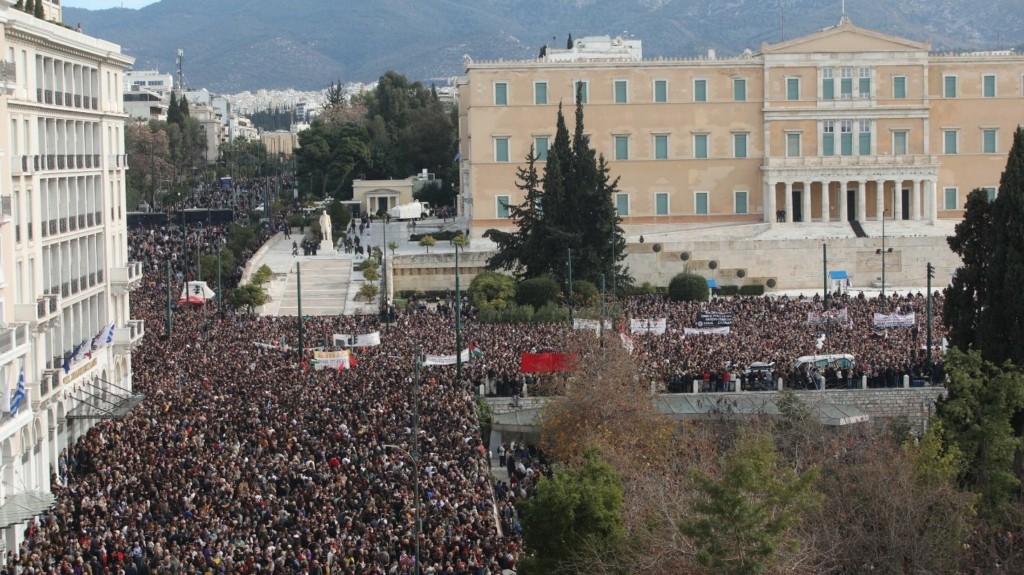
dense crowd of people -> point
(244, 459)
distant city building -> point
(842, 124)
(281, 144)
(65, 278)
(148, 81)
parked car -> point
(760, 376)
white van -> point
(836, 360)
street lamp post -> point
(459, 242)
(568, 265)
(415, 455)
(882, 252)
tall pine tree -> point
(30, 6)
(38, 10)
(1000, 334)
(578, 214)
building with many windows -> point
(65, 330)
(842, 124)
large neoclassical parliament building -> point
(840, 125)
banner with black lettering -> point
(353, 340)
(886, 321)
(656, 326)
(714, 319)
(591, 324)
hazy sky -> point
(101, 4)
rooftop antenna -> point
(181, 71)
(782, 13)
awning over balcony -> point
(97, 405)
(24, 506)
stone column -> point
(769, 202)
(915, 200)
(789, 202)
(862, 209)
(843, 213)
(825, 201)
(933, 201)
(805, 198)
(897, 203)
(879, 200)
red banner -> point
(547, 362)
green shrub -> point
(368, 292)
(518, 313)
(262, 275)
(296, 220)
(752, 290)
(551, 313)
(488, 314)
(444, 236)
(585, 294)
(492, 289)
(371, 274)
(687, 286)
(537, 292)
(368, 263)
(727, 291)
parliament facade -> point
(842, 124)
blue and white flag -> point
(84, 351)
(19, 394)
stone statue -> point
(325, 228)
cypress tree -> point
(184, 108)
(20, 5)
(174, 110)
(30, 6)
(1000, 332)
(966, 294)
(38, 10)
(568, 43)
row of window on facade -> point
(740, 203)
(848, 86)
(829, 145)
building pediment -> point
(844, 37)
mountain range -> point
(235, 45)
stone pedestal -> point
(326, 249)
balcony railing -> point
(124, 279)
(851, 161)
(38, 314)
(130, 335)
(13, 337)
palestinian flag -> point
(475, 351)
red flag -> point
(547, 362)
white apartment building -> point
(64, 270)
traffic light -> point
(931, 271)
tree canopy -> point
(394, 131)
(578, 506)
(570, 208)
(983, 309)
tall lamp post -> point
(415, 455)
(882, 251)
(459, 242)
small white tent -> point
(196, 292)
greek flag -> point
(19, 394)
